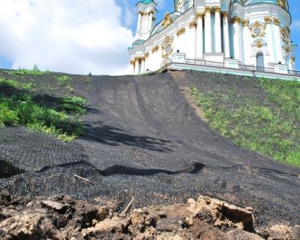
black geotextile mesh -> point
(143, 139)
(31, 151)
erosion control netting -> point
(143, 139)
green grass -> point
(62, 80)
(19, 107)
(34, 72)
(269, 124)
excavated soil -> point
(144, 139)
(61, 217)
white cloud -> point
(76, 36)
(296, 25)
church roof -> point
(259, 1)
(160, 26)
(138, 42)
(146, 1)
(282, 3)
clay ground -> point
(144, 139)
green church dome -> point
(282, 3)
(146, 1)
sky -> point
(80, 36)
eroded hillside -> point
(141, 138)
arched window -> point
(260, 62)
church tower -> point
(146, 18)
(242, 36)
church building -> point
(231, 34)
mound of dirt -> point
(61, 217)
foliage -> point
(18, 106)
(269, 125)
(21, 71)
(62, 80)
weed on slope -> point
(27, 99)
(262, 115)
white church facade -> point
(249, 34)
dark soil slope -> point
(143, 139)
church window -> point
(257, 29)
(260, 62)
(168, 48)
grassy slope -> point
(29, 97)
(259, 114)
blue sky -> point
(80, 36)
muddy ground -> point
(143, 139)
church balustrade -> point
(234, 66)
(204, 62)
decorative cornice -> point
(180, 31)
(225, 14)
(168, 39)
(155, 49)
(146, 13)
(132, 62)
(193, 24)
(200, 14)
(246, 22)
(167, 20)
(146, 55)
(276, 21)
(217, 9)
(259, 44)
(208, 9)
(287, 49)
(268, 20)
(236, 19)
(138, 59)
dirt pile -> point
(61, 217)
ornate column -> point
(218, 40)
(150, 20)
(208, 33)
(132, 62)
(237, 37)
(142, 65)
(193, 36)
(144, 22)
(271, 47)
(278, 56)
(139, 21)
(136, 66)
(226, 35)
(293, 63)
(246, 42)
(199, 45)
